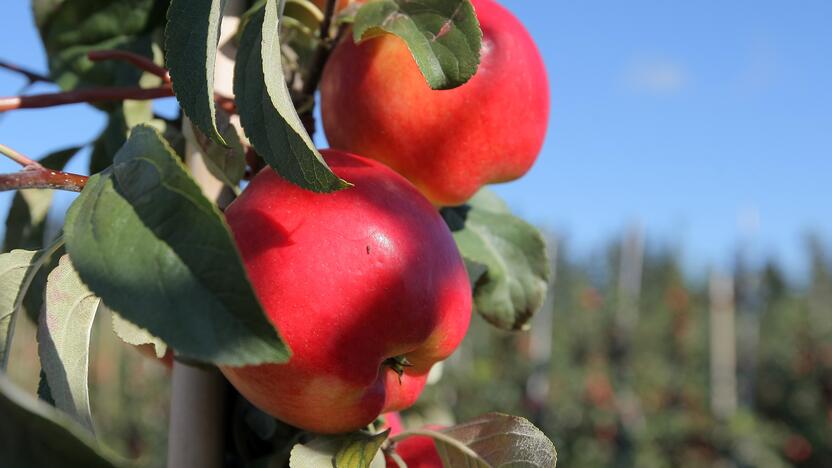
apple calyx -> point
(398, 364)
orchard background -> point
(623, 366)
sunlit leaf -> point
(513, 252)
(267, 113)
(443, 36)
(191, 38)
(64, 331)
(144, 239)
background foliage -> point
(604, 403)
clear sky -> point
(708, 123)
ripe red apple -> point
(365, 285)
(417, 451)
(375, 102)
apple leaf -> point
(502, 440)
(513, 252)
(134, 335)
(226, 163)
(443, 36)
(491, 440)
(191, 39)
(356, 450)
(17, 269)
(26, 221)
(143, 238)
(360, 450)
(267, 113)
(70, 29)
(32, 433)
(64, 331)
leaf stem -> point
(436, 436)
(139, 61)
(33, 77)
(19, 158)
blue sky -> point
(707, 123)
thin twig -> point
(325, 46)
(321, 56)
(139, 61)
(33, 77)
(18, 157)
(83, 95)
(329, 13)
(42, 178)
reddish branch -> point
(83, 95)
(102, 94)
(43, 179)
(30, 75)
(34, 175)
(139, 61)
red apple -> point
(417, 451)
(375, 102)
(365, 285)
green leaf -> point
(305, 12)
(513, 252)
(33, 433)
(496, 440)
(64, 331)
(136, 336)
(120, 121)
(26, 221)
(356, 450)
(33, 301)
(443, 36)
(191, 38)
(226, 163)
(144, 239)
(17, 268)
(360, 450)
(267, 113)
(72, 28)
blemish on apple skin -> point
(368, 250)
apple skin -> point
(417, 451)
(375, 102)
(350, 279)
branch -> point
(42, 178)
(34, 175)
(30, 75)
(329, 13)
(139, 61)
(321, 56)
(83, 95)
(19, 158)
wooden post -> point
(723, 347)
(197, 429)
